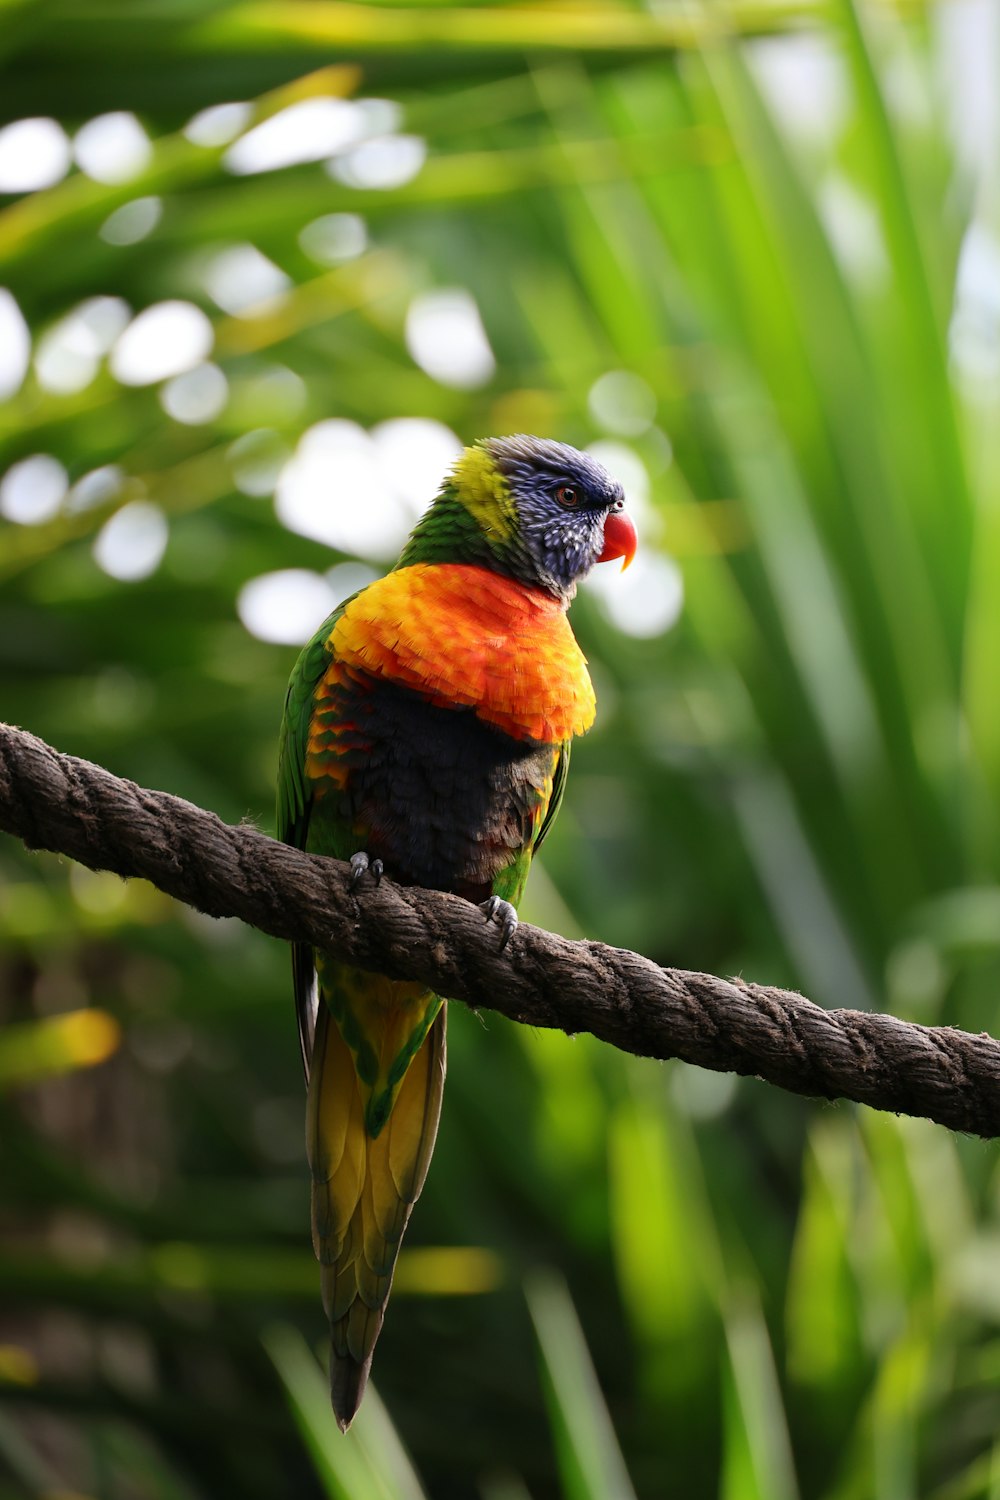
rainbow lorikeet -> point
(427, 732)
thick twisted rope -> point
(59, 803)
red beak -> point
(620, 539)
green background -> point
(786, 243)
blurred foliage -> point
(788, 245)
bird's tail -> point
(375, 1083)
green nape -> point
(448, 533)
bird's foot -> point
(360, 863)
(502, 912)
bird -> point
(426, 734)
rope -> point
(56, 802)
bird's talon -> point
(495, 909)
(359, 864)
(378, 870)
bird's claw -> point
(360, 863)
(500, 911)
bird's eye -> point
(568, 496)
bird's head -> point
(546, 511)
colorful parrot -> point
(427, 732)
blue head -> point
(567, 511)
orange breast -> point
(463, 636)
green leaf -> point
(590, 1460)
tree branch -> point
(71, 807)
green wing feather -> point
(294, 793)
(295, 806)
(510, 882)
(555, 796)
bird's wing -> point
(509, 883)
(555, 795)
(295, 805)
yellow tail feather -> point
(364, 1184)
